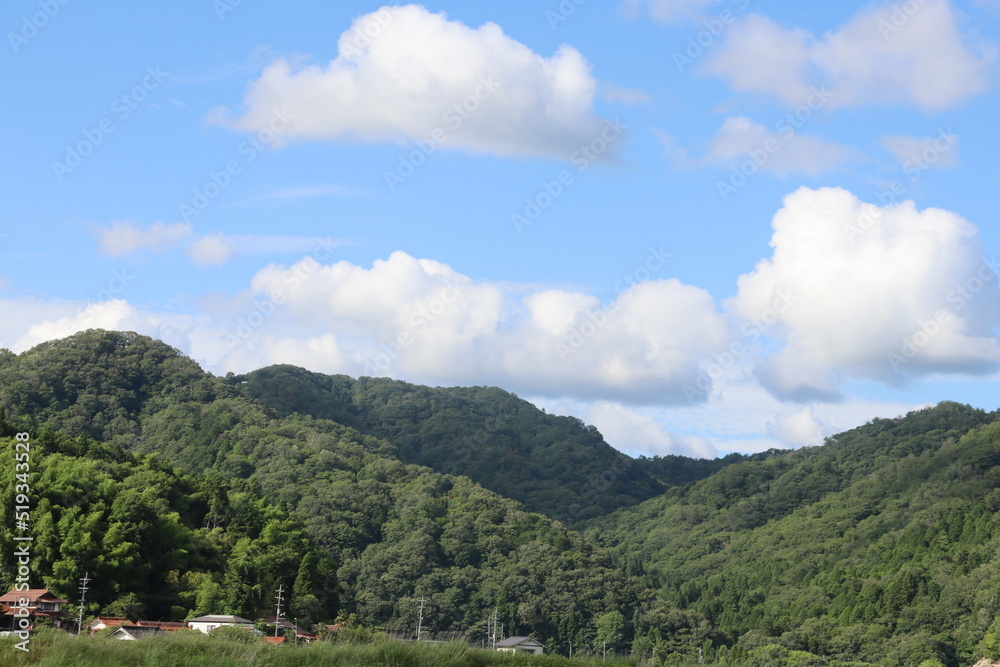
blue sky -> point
(703, 226)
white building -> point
(520, 645)
(131, 633)
(208, 623)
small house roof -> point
(135, 631)
(511, 642)
(31, 595)
(166, 625)
(274, 640)
(221, 619)
(110, 621)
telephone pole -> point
(277, 616)
(83, 596)
(492, 625)
(420, 618)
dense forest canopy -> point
(183, 493)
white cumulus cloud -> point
(884, 54)
(405, 74)
(800, 429)
(635, 432)
(420, 319)
(855, 290)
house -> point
(276, 641)
(208, 623)
(166, 626)
(520, 645)
(134, 632)
(33, 603)
(103, 622)
(284, 624)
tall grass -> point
(188, 649)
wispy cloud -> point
(627, 96)
(306, 192)
(126, 238)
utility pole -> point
(571, 650)
(492, 622)
(420, 618)
(83, 596)
(277, 616)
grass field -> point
(57, 649)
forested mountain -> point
(156, 542)
(398, 531)
(882, 544)
(195, 493)
(554, 465)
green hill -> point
(885, 542)
(192, 493)
(397, 531)
(554, 465)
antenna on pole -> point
(420, 618)
(277, 617)
(83, 596)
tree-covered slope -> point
(882, 544)
(879, 546)
(554, 465)
(156, 542)
(398, 531)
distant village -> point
(21, 610)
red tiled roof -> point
(274, 640)
(32, 595)
(169, 626)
